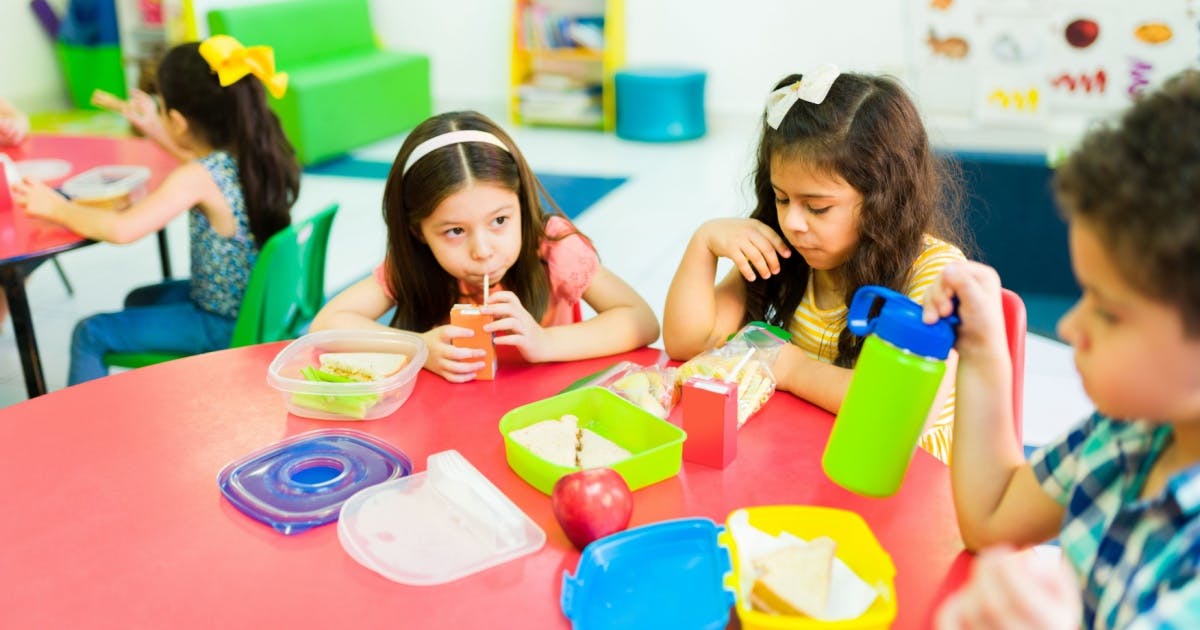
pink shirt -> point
(570, 261)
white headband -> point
(447, 139)
(813, 88)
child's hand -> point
(1009, 589)
(977, 288)
(12, 131)
(141, 110)
(457, 365)
(517, 327)
(39, 199)
(753, 247)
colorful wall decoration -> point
(1020, 61)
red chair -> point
(1015, 325)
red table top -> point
(114, 517)
(22, 236)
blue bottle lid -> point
(897, 320)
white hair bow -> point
(813, 88)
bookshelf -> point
(564, 56)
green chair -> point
(286, 289)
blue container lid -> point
(301, 482)
(663, 575)
(898, 321)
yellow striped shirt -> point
(816, 331)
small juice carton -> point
(710, 418)
(470, 316)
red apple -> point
(591, 504)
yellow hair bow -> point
(232, 61)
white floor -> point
(640, 230)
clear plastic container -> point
(301, 482)
(107, 186)
(346, 401)
(436, 526)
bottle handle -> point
(860, 318)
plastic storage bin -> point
(88, 68)
(660, 104)
(346, 401)
(856, 546)
(655, 445)
(436, 526)
(113, 186)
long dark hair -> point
(236, 118)
(424, 291)
(868, 132)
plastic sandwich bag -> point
(745, 359)
(651, 387)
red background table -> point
(114, 517)
(27, 241)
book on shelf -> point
(542, 29)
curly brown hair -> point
(868, 132)
(1137, 184)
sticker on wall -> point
(953, 47)
(1081, 82)
(1015, 47)
(1153, 33)
(1140, 73)
(1082, 32)
(941, 5)
(1013, 100)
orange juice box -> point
(470, 316)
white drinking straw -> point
(485, 289)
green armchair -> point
(344, 91)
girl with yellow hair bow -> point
(237, 184)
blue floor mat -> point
(572, 193)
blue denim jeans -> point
(157, 317)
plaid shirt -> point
(1137, 559)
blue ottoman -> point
(660, 104)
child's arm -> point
(996, 495)
(359, 306)
(186, 186)
(623, 322)
(697, 315)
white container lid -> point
(436, 526)
(105, 182)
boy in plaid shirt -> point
(1122, 490)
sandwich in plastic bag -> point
(745, 359)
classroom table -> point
(26, 242)
(114, 517)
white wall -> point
(745, 46)
(29, 73)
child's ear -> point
(176, 123)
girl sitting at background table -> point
(462, 206)
(237, 195)
(849, 193)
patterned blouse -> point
(221, 265)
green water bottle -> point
(891, 393)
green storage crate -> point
(655, 445)
(87, 68)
